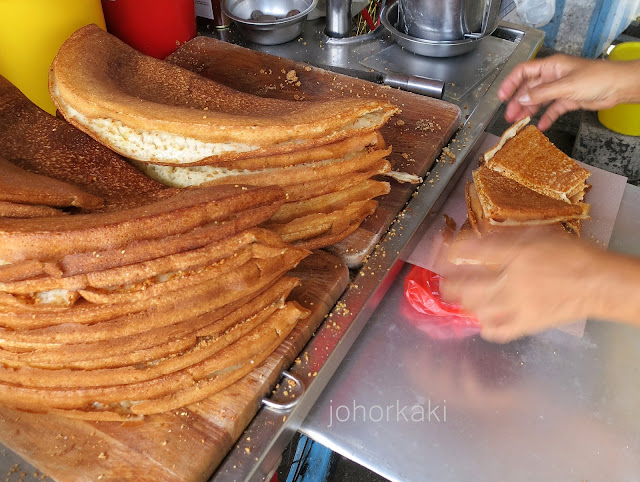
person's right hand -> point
(566, 83)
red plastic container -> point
(154, 27)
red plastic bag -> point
(432, 314)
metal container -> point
(428, 48)
(265, 22)
(447, 19)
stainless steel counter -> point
(548, 407)
(472, 82)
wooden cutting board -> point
(186, 444)
(417, 134)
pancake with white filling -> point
(152, 111)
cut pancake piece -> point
(153, 111)
(573, 226)
(23, 211)
(475, 214)
(43, 144)
(210, 176)
(24, 187)
(533, 161)
(507, 203)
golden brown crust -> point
(23, 211)
(364, 160)
(505, 200)
(327, 203)
(50, 238)
(136, 273)
(217, 371)
(533, 161)
(40, 143)
(20, 186)
(101, 77)
(145, 250)
(323, 224)
(335, 150)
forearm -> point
(627, 74)
(615, 290)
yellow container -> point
(623, 118)
(31, 32)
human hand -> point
(566, 83)
(535, 282)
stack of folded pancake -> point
(185, 130)
(122, 297)
(526, 181)
(119, 314)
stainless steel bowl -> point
(270, 30)
(428, 48)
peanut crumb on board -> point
(292, 77)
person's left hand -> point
(536, 282)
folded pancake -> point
(152, 111)
(20, 186)
(188, 299)
(48, 238)
(335, 150)
(151, 344)
(505, 202)
(525, 155)
(363, 160)
(172, 307)
(319, 187)
(16, 210)
(162, 284)
(194, 380)
(28, 269)
(330, 202)
(204, 348)
(43, 144)
(316, 225)
(130, 274)
(144, 250)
